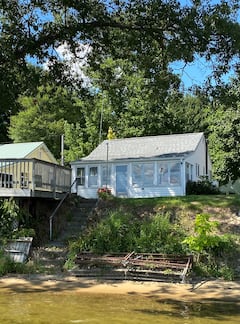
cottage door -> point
(121, 180)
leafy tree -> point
(130, 102)
(13, 82)
(9, 217)
(151, 34)
(224, 142)
(44, 116)
(188, 113)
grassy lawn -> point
(194, 202)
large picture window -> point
(93, 176)
(143, 174)
(169, 173)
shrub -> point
(206, 269)
(104, 193)
(122, 232)
(159, 235)
(6, 264)
(10, 216)
(201, 187)
(210, 249)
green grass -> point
(194, 202)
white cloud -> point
(75, 63)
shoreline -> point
(202, 291)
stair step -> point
(52, 257)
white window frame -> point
(166, 173)
(174, 175)
(81, 177)
(197, 170)
(162, 175)
(139, 180)
(93, 178)
(106, 175)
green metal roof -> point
(18, 150)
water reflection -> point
(224, 312)
(73, 307)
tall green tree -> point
(43, 116)
(131, 104)
(150, 33)
(224, 142)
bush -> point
(210, 249)
(159, 235)
(6, 264)
(10, 217)
(122, 232)
(104, 193)
(202, 187)
(206, 269)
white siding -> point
(87, 193)
(155, 192)
(199, 158)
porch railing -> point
(34, 174)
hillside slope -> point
(182, 211)
(223, 209)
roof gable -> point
(146, 147)
(23, 150)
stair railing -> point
(56, 209)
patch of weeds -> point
(6, 264)
(212, 270)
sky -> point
(196, 73)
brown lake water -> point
(59, 308)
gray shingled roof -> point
(146, 147)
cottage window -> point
(80, 176)
(143, 174)
(106, 175)
(137, 174)
(169, 173)
(197, 169)
(163, 174)
(93, 176)
(175, 173)
(148, 174)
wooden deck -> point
(33, 178)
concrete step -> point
(52, 257)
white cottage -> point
(139, 167)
